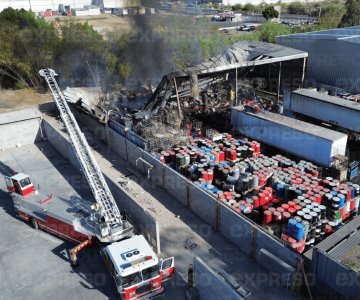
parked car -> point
(252, 27)
(218, 18)
(244, 28)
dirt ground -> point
(18, 99)
(352, 259)
(102, 23)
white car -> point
(244, 28)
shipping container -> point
(330, 109)
(303, 139)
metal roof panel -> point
(327, 98)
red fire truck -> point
(137, 271)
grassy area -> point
(99, 50)
(102, 24)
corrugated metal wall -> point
(331, 61)
(335, 276)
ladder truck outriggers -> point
(135, 267)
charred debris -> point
(200, 97)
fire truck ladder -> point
(91, 170)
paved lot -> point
(34, 264)
(180, 227)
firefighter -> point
(232, 96)
(191, 276)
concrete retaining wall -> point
(236, 229)
(117, 142)
(157, 173)
(174, 184)
(143, 222)
(248, 237)
(92, 125)
(264, 241)
(131, 136)
(204, 205)
(60, 142)
(133, 154)
(210, 285)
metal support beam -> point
(178, 99)
(270, 88)
(303, 73)
(279, 83)
(236, 87)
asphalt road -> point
(34, 264)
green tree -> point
(270, 13)
(331, 15)
(19, 18)
(249, 7)
(125, 69)
(13, 71)
(296, 8)
(216, 5)
(270, 30)
(352, 14)
(236, 7)
(117, 55)
(81, 54)
(26, 45)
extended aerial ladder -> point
(114, 227)
(137, 271)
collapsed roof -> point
(246, 54)
(240, 55)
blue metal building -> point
(333, 56)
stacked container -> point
(277, 192)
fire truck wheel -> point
(34, 223)
(73, 260)
(74, 263)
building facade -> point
(43, 5)
(333, 56)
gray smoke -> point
(150, 54)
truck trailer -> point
(305, 140)
(343, 114)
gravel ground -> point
(19, 99)
(102, 23)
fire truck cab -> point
(136, 269)
(19, 183)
